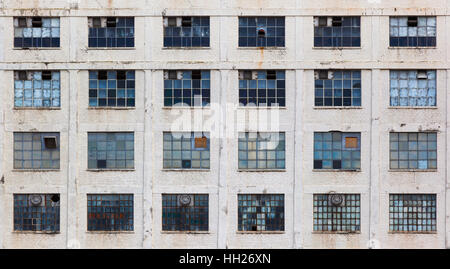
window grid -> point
(343, 89)
(44, 34)
(265, 90)
(412, 212)
(262, 150)
(34, 91)
(408, 90)
(422, 35)
(413, 150)
(181, 151)
(337, 218)
(195, 34)
(346, 35)
(111, 150)
(261, 32)
(177, 217)
(187, 90)
(261, 212)
(43, 217)
(118, 35)
(110, 212)
(112, 88)
(330, 151)
(30, 151)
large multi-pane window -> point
(37, 89)
(337, 88)
(337, 150)
(36, 32)
(111, 32)
(261, 32)
(412, 212)
(261, 212)
(187, 88)
(262, 150)
(185, 212)
(36, 212)
(111, 150)
(413, 88)
(337, 212)
(110, 212)
(412, 31)
(186, 150)
(186, 31)
(108, 88)
(262, 88)
(337, 31)
(413, 150)
(36, 150)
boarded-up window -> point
(351, 142)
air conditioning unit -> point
(323, 74)
(185, 200)
(336, 199)
(422, 74)
(36, 199)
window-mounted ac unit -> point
(422, 74)
(185, 200)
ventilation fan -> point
(35, 200)
(336, 199)
(185, 200)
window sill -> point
(186, 48)
(186, 107)
(412, 107)
(412, 232)
(185, 232)
(40, 48)
(412, 170)
(260, 232)
(111, 170)
(36, 170)
(337, 107)
(112, 108)
(337, 170)
(336, 232)
(36, 232)
(262, 170)
(336, 48)
(185, 170)
(262, 107)
(393, 48)
(261, 48)
(36, 108)
(121, 48)
(110, 232)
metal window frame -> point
(204, 98)
(168, 163)
(129, 98)
(98, 221)
(254, 216)
(106, 152)
(248, 100)
(414, 213)
(397, 102)
(190, 218)
(42, 218)
(54, 101)
(244, 137)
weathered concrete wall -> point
(299, 120)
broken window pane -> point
(36, 212)
(111, 88)
(412, 212)
(36, 32)
(337, 31)
(337, 212)
(37, 89)
(262, 88)
(111, 150)
(261, 32)
(413, 88)
(31, 152)
(111, 32)
(110, 212)
(337, 88)
(262, 150)
(187, 88)
(412, 31)
(336, 150)
(186, 150)
(185, 212)
(413, 150)
(261, 212)
(186, 31)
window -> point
(261, 31)
(262, 150)
(111, 88)
(36, 32)
(413, 88)
(110, 212)
(261, 212)
(186, 31)
(111, 32)
(37, 89)
(413, 150)
(337, 31)
(412, 31)
(336, 212)
(185, 212)
(36, 212)
(187, 88)
(336, 150)
(337, 88)
(36, 150)
(111, 150)
(262, 88)
(412, 212)
(186, 150)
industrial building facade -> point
(224, 124)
